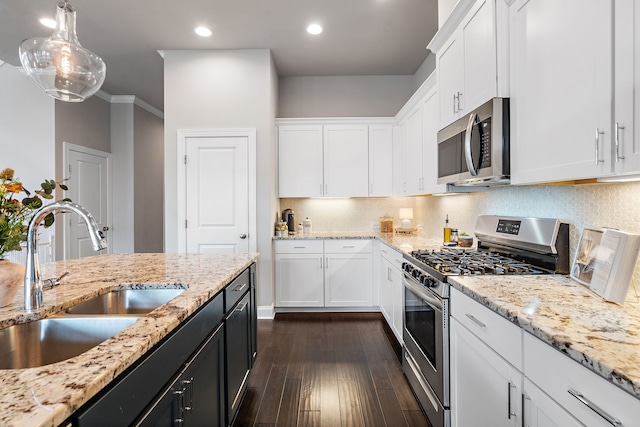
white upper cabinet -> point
(430, 126)
(561, 76)
(300, 166)
(335, 158)
(346, 161)
(471, 52)
(411, 130)
(380, 160)
(626, 127)
(418, 132)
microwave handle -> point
(467, 144)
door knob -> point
(243, 236)
(105, 228)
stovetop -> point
(455, 262)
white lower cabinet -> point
(333, 273)
(502, 378)
(589, 398)
(485, 389)
(391, 289)
(539, 410)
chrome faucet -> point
(32, 280)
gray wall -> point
(343, 96)
(223, 89)
(122, 143)
(349, 96)
(148, 155)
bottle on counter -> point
(447, 230)
(300, 229)
(306, 227)
(454, 235)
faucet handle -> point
(54, 281)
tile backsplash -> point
(614, 205)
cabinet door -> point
(561, 76)
(386, 302)
(380, 160)
(238, 354)
(413, 152)
(346, 161)
(299, 280)
(196, 397)
(300, 161)
(479, 39)
(397, 299)
(348, 280)
(541, 411)
(430, 121)
(450, 68)
(627, 87)
(485, 389)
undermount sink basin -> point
(128, 301)
(52, 340)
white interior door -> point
(89, 174)
(217, 194)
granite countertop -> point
(48, 395)
(401, 242)
(599, 335)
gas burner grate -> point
(473, 262)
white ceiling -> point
(361, 37)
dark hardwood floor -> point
(327, 369)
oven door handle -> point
(420, 291)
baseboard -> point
(327, 309)
(266, 312)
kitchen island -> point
(48, 395)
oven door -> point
(426, 335)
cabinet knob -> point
(243, 236)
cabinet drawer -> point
(391, 255)
(560, 376)
(236, 289)
(342, 246)
(299, 246)
(502, 336)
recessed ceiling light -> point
(48, 22)
(203, 31)
(314, 29)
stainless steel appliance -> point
(506, 245)
(474, 150)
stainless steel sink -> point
(128, 301)
(51, 340)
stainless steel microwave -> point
(474, 150)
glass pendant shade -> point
(59, 65)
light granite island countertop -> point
(602, 336)
(48, 395)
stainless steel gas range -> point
(506, 245)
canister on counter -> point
(386, 224)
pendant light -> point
(59, 65)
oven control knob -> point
(430, 282)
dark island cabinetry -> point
(196, 376)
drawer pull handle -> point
(348, 246)
(595, 408)
(476, 321)
(242, 307)
(240, 288)
(510, 412)
(299, 247)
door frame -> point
(66, 148)
(182, 137)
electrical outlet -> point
(375, 225)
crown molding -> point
(130, 99)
